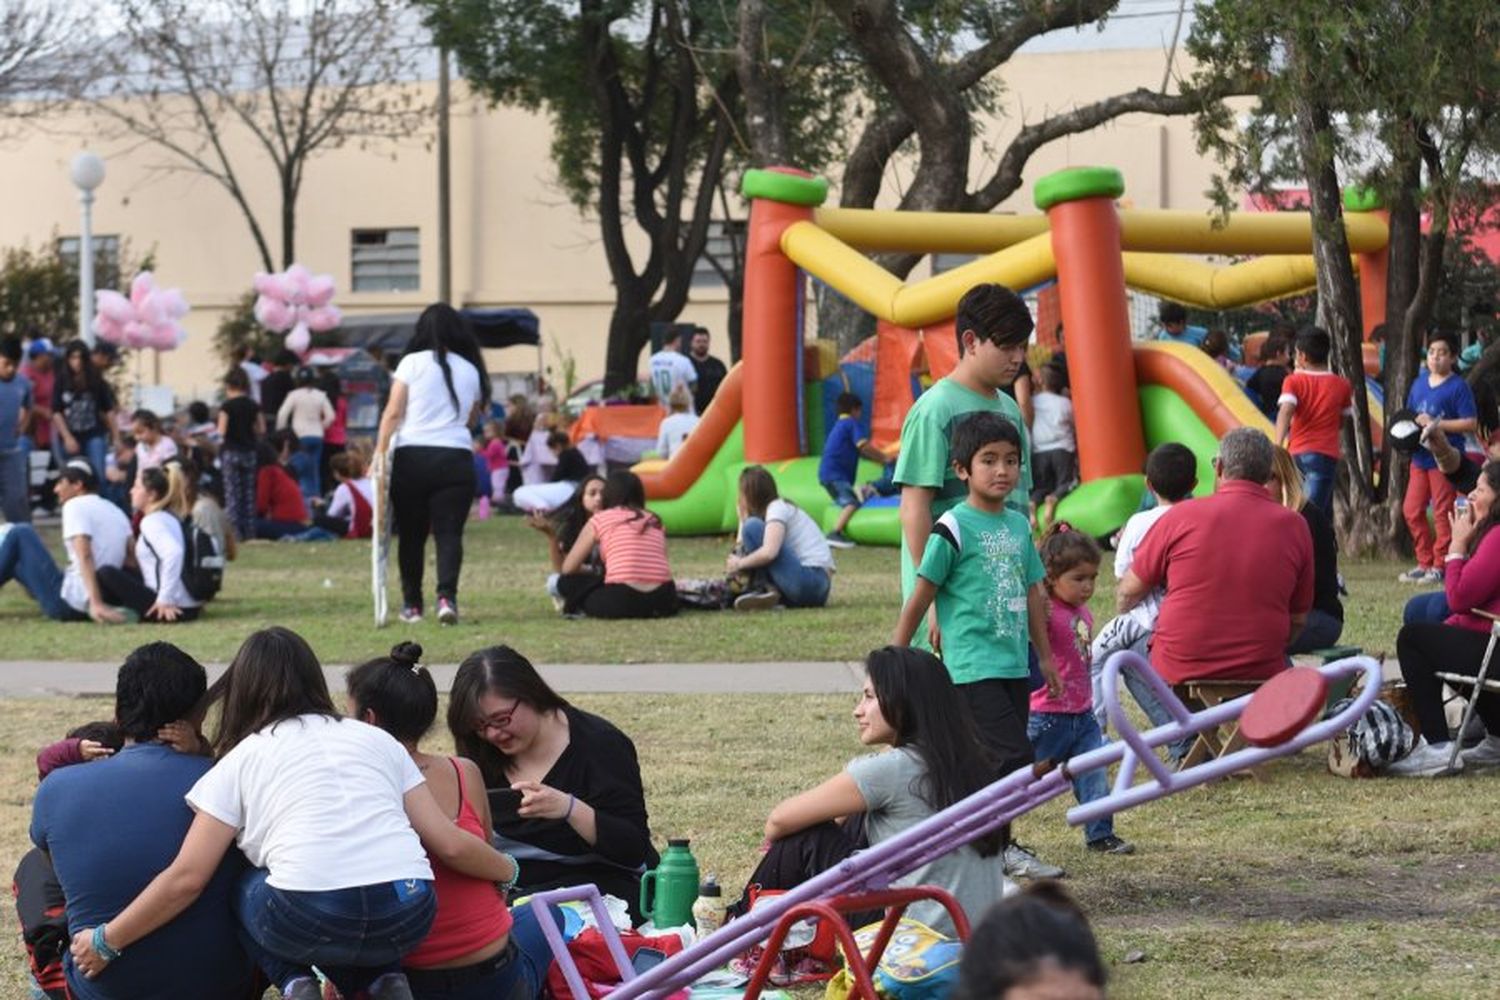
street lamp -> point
(87, 172)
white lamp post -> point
(87, 172)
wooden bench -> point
(1209, 693)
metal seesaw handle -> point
(1140, 746)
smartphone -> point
(504, 800)
(1461, 504)
(647, 958)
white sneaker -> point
(1414, 575)
(1484, 754)
(1021, 863)
(1426, 761)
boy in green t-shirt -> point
(982, 572)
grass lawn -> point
(323, 592)
(1302, 885)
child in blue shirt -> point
(842, 449)
(1438, 396)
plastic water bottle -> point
(709, 911)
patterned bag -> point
(1377, 740)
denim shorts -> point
(842, 492)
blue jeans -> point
(354, 936)
(94, 448)
(1059, 736)
(801, 586)
(1321, 631)
(1318, 473)
(15, 487)
(1429, 608)
(25, 559)
(308, 464)
(519, 973)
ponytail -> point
(168, 488)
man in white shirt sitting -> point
(96, 533)
(670, 368)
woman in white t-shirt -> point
(784, 546)
(154, 589)
(329, 812)
(437, 393)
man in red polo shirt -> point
(1238, 568)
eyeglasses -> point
(500, 720)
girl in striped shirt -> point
(637, 579)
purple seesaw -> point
(877, 867)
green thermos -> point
(669, 890)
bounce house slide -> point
(1184, 397)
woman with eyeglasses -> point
(564, 785)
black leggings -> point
(795, 858)
(124, 587)
(1000, 707)
(430, 493)
(590, 595)
(1425, 649)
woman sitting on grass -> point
(155, 592)
(564, 785)
(562, 528)
(328, 811)
(637, 579)
(476, 941)
(786, 550)
(280, 509)
(1471, 580)
(934, 759)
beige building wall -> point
(516, 238)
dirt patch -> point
(1366, 889)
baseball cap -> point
(40, 346)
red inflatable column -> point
(770, 339)
(1096, 325)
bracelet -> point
(101, 947)
(569, 814)
(1454, 555)
(515, 874)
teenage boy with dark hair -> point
(115, 825)
(1437, 396)
(1174, 326)
(993, 327)
(1312, 407)
(842, 449)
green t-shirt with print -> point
(983, 565)
(924, 459)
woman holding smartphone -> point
(564, 785)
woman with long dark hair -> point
(910, 705)
(83, 409)
(437, 392)
(637, 579)
(329, 812)
(564, 785)
(562, 528)
(1471, 580)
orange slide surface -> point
(673, 477)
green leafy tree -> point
(39, 287)
(1394, 96)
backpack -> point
(202, 561)
(1377, 739)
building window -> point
(385, 260)
(106, 259)
(948, 261)
(723, 249)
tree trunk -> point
(629, 331)
(1402, 342)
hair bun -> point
(408, 654)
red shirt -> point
(1237, 565)
(277, 497)
(1322, 398)
(470, 911)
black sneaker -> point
(758, 600)
(1111, 845)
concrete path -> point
(33, 679)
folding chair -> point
(1480, 683)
